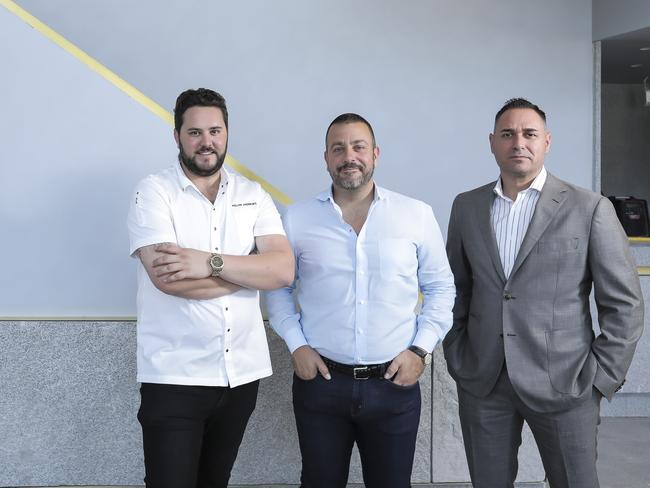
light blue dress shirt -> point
(358, 294)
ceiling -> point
(620, 52)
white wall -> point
(429, 75)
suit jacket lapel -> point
(550, 200)
(484, 207)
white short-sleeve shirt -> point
(216, 342)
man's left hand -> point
(179, 263)
(408, 366)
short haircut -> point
(350, 118)
(201, 97)
(519, 103)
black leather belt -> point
(358, 372)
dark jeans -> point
(191, 434)
(380, 416)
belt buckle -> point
(361, 373)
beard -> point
(349, 182)
(194, 168)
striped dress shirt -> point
(510, 219)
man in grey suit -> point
(525, 252)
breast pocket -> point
(571, 244)
(241, 239)
(397, 258)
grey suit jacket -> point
(538, 321)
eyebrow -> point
(342, 143)
(525, 129)
(209, 128)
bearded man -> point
(358, 346)
(207, 239)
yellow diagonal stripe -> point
(130, 90)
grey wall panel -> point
(613, 17)
(68, 401)
(625, 145)
(68, 405)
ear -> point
(176, 137)
(491, 137)
(547, 140)
(376, 153)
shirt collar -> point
(185, 182)
(380, 194)
(537, 184)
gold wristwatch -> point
(216, 263)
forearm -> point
(284, 318)
(266, 271)
(201, 289)
(272, 267)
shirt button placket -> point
(215, 237)
(228, 335)
(361, 292)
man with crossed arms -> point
(201, 341)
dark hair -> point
(201, 97)
(519, 103)
(350, 118)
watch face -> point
(216, 261)
(427, 359)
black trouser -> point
(191, 434)
(380, 416)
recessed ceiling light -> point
(635, 65)
(646, 48)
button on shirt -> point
(510, 220)
(358, 294)
(216, 342)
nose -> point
(206, 140)
(518, 140)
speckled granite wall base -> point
(68, 401)
(68, 404)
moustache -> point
(345, 166)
